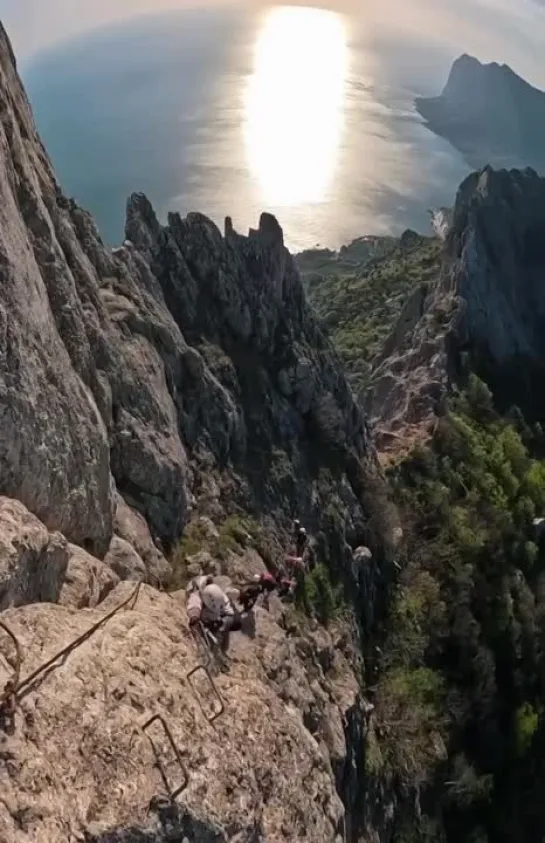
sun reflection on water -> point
(294, 104)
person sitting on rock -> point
(208, 604)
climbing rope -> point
(14, 689)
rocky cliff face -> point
(77, 764)
(182, 374)
(488, 303)
(490, 114)
(181, 348)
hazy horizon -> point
(230, 107)
(493, 30)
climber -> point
(301, 540)
(295, 563)
(299, 537)
(249, 593)
(209, 605)
(264, 584)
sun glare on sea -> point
(294, 104)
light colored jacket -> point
(207, 601)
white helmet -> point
(362, 553)
(214, 598)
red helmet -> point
(267, 577)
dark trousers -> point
(229, 623)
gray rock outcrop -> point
(87, 581)
(180, 350)
(54, 449)
(124, 561)
(488, 303)
(132, 527)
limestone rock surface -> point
(87, 580)
(53, 444)
(79, 767)
(33, 561)
(124, 561)
(132, 527)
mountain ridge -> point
(490, 114)
(454, 399)
(168, 408)
(178, 385)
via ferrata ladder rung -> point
(172, 793)
(214, 714)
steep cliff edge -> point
(181, 347)
(486, 308)
(458, 728)
(182, 375)
(78, 764)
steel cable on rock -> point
(14, 690)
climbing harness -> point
(173, 793)
(16, 689)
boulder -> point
(131, 526)
(124, 561)
(33, 561)
(87, 582)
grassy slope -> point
(359, 293)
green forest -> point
(459, 729)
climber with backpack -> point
(209, 606)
